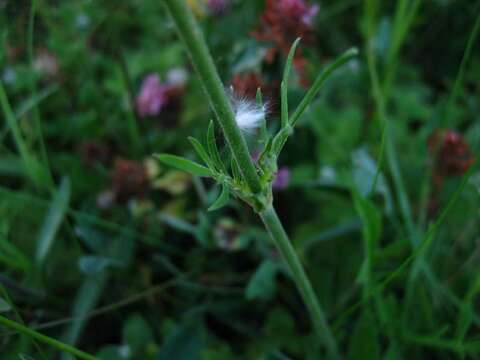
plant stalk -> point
(282, 242)
(192, 37)
(43, 338)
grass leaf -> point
(284, 84)
(183, 164)
(221, 201)
(200, 150)
(319, 81)
(52, 222)
(213, 149)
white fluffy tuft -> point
(248, 114)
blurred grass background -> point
(103, 248)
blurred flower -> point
(155, 95)
(452, 154)
(106, 199)
(129, 180)
(282, 179)
(46, 63)
(152, 96)
(217, 7)
(93, 152)
(246, 85)
(227, 235)
(174, 182)
(281, 23)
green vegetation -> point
(111, 246)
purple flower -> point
(217, 7)
(282, 179)
(152, 96)
(307, 18)
(299, 9)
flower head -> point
(152, 96)
(281, 23)
(453, 156)
(284, 20)
(155, 95)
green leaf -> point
(4, 306)
(213, 149)
(319, 81)
(235, 170)
(52, 222)
(221, 201)
(93, 265)
(284, 84)
(364, 340)
(137, 333)
(372, 223)
(183, 343)
(201, 151)
(33, 167)
(11, 256)
(371, 218)
(262, 284)
(183, 164)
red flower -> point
(281, 23)
(451, 151)
(129, 180)
(246, 85)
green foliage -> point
(116, 253)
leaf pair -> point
(211, 157)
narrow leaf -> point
(53, 220)
(284, 84)
(4, 305)
(201, 151)
(221, 201)
(212, 147)
(319, 81)
(235, 170)
(183, 164)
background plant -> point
(146, 271)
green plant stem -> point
(192, 37)
(282, 242)
(43, 338)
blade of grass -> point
(52, 222)
(319, 81)
(284, 84)
(85, 300)
(426, 241)
(463, 65)
(33, 90)
(32, 167)
(45, 339)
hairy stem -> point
(191, 35)
(43, 338)
(289, 255)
